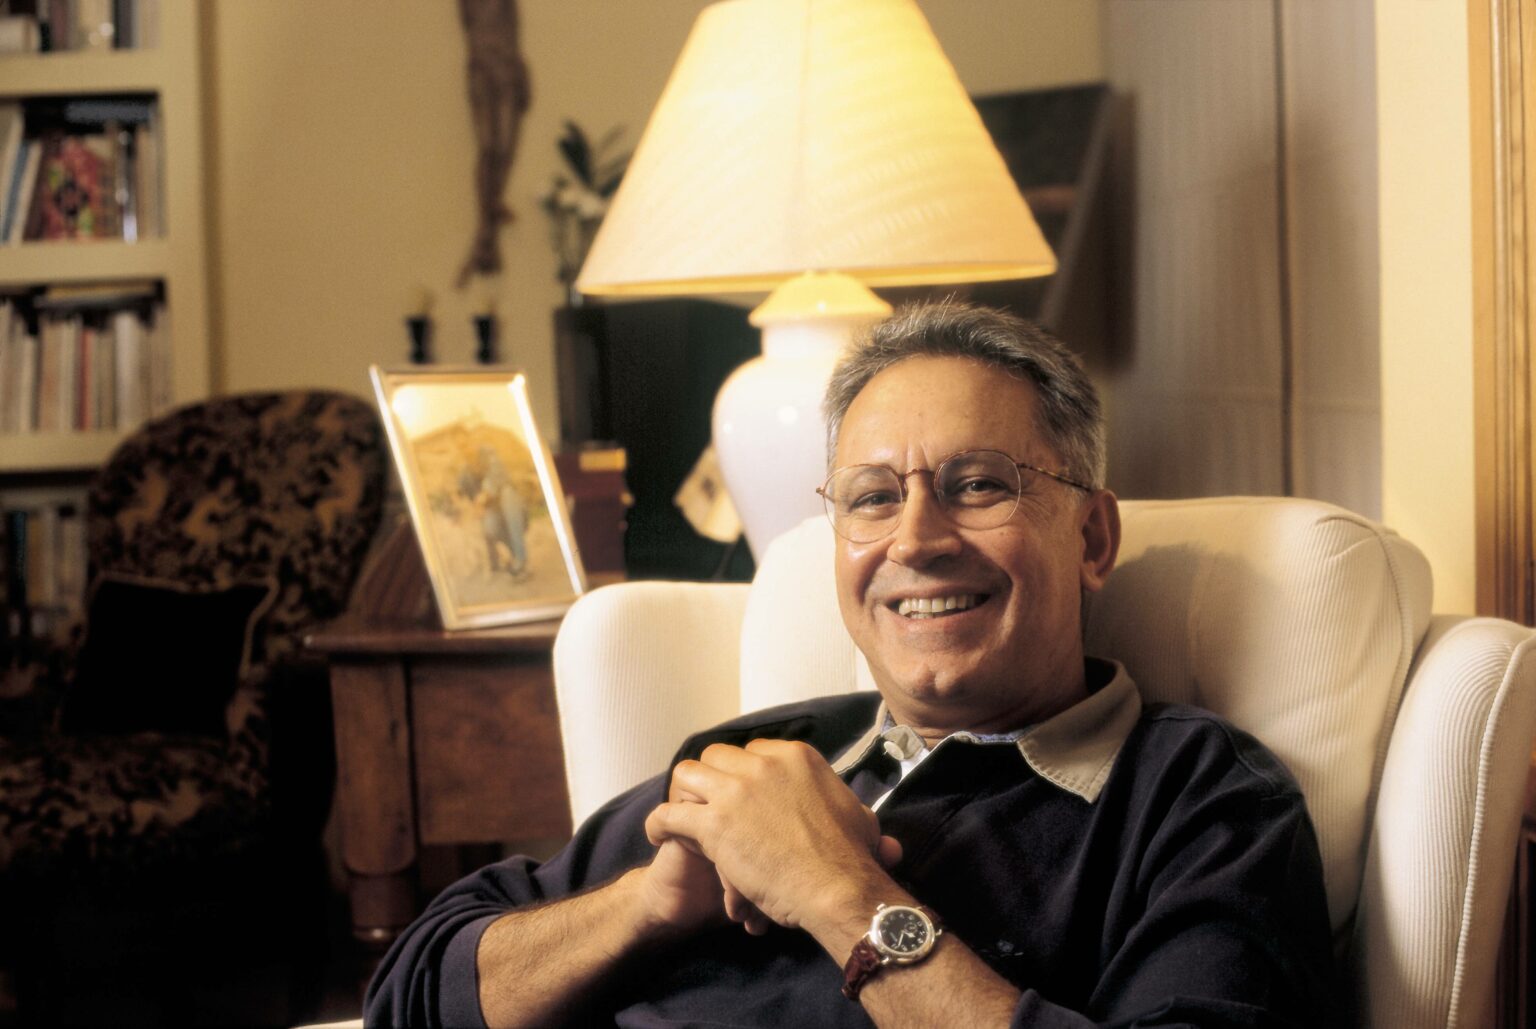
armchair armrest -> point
(1438, 862)
(638, 667)
(32, 691)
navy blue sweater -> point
(1189, 892)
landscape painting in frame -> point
(483, 494)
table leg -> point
(374, 796)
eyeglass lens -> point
(978, 489)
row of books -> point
(49, 26)
(81, 358)
(80, 168)
(43, 559)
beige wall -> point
(341, 162)
(1426, 288)
(340, 155)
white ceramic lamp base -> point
(769, 430)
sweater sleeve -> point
(429, 976)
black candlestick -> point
(420, 328)
(485, 333)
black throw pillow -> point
(161, 657)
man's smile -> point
(937, 607)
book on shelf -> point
(77, 172)
(59, 23)
(125, 24)
(131, 369)
(83, 358)
(124, 182)
(15, 153)
(71, 198)
(146, 179)
(19, 195)
(20, 34)
(51, 384)
(43, 554)
(101, 398)
(95, 25)
(18, 375)
(83, 398)
(10, 369)
(13, 120)
(84, 25)
(13, 524)
(81, 296)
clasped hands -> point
(765, 833)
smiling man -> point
(1003, 835)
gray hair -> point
(1071, 419)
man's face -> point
(1015, 656)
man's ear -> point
(1100, 525)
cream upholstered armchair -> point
(1302, 623)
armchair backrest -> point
(283, 486)
(1294, 620)
(1302, 623)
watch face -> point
(903, 932)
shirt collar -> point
(1075, 749)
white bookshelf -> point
(50, 470)
(35, 452)
(171, 72)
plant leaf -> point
(609, 139)
(577, 152)
(610, 174)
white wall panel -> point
(1328, 55)
(1194, 389)
(1221, 254)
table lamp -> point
(812, 148)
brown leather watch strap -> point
(863, 963)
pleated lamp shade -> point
(813, 135)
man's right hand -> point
(685, 891)
(534, 962)
(681, 891)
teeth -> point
(927, 607)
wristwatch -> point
(898, 935)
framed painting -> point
(483, 494)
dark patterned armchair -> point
(177, 754)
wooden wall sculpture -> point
(499, 95)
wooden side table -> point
(441, 738)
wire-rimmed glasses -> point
(975, 489)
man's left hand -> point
(781, 828)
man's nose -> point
(924, 530)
